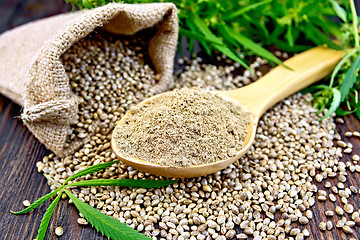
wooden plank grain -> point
(19, 152)
(353, 179)
(17, 12)
(18, 181)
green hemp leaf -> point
(244, 29)
(110, 227)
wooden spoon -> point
(308, 67)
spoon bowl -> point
(183, 172)
(306, 68)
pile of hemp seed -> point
(271, 193)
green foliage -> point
(336, 99)
(344, 81)
(343, 88)
(46, 219)
(339, 10)
(37, 202)
(244, 9)
(90, 170)
(349, 80)
(200, 25)
(251, 45)
(108, 226)
(341, 65)
(266, 22)
(240, 29)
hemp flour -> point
(183, 128)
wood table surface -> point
(20, 150)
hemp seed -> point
(329, 225)
(303, 220)
(82, 221)
(59, 231)
(347, 229)
(339, 211)
(329, 213)
(291, 149)
(349, 208)
(322, 226)
(340, 223)
(26, 203)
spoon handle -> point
(308, 67)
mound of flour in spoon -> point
(183, 128)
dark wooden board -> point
(19, 152)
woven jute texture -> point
(17, 49)
(49, 105)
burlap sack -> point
(35, 48)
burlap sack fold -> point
(17, 49)
(49, 105)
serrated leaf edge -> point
(106, 222)
(89, 170)
(37, 202)
(46, 218)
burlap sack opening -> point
(49, 105)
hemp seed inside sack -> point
(183, 128)
(108, 73)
